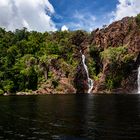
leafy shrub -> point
(113, 80)
(138, 19)
(109, 84)
(1, 92)
(114, 54)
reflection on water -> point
(70, 117)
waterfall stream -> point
(139, 79)
(90, 81)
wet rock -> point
(81, 79)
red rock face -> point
(125, 32)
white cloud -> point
(84, 20)
(64, 28)
(32, 14)
(126, 8)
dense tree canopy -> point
(26, 57)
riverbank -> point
(63, 93)
(33, 93)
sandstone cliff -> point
(116, 52)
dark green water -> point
(70, 117)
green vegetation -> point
(28, 58)
(32, 60)
(138, 19)
(114, 55)
(1, 92)
(118, 59)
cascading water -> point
(139, 79)
(90, 81)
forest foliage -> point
(26, 57)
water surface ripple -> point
(70, 117)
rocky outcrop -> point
(117, 34)
(125, 32)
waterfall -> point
(139, 79)
(90, 81)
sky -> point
(53, 15)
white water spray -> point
(139, 80)
(90, 81)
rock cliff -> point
(116, 52)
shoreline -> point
(98, 93)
